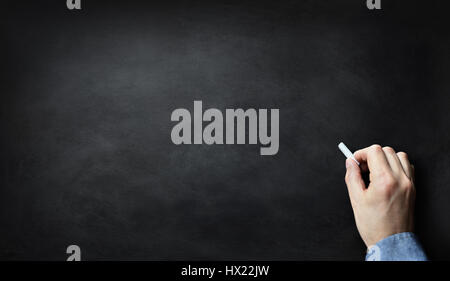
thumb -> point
(353, 179)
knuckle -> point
(374, 150)
(402, 154)
(387, 188)
(375, 147)
(347, 178)
(386, 191)
(389, 184)
(389, 181)
(389, 150)
(407, 184)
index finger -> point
(374, 157)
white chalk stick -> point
(347, 152)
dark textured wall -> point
(86, 97)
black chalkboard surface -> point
(86, 102)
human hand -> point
(386, 206)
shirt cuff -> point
(398, 247)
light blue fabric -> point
(398, 247)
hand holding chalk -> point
(347, 152)
(385, 206)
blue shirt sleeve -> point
(398, 247)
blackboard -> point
(86, 99)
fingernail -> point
(347, 164)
